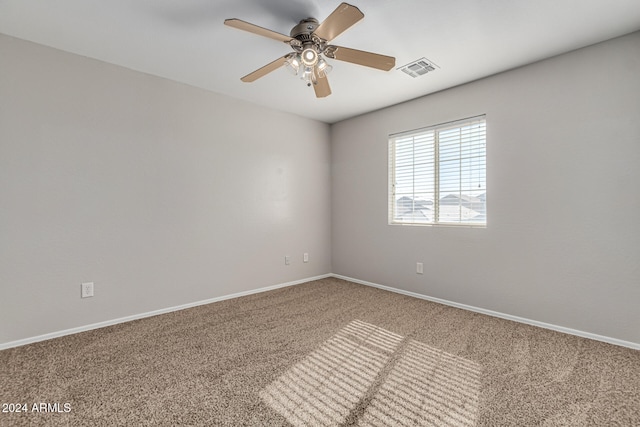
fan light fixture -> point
(309, 57)
(309, 64)
(324, 67)
(293, 64)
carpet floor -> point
(324, 353)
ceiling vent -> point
(419, 67)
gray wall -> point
(562, 245)
(160, 193)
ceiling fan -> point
(310, 41)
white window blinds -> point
(437, 175)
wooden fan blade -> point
(265, 70)
(360, 57)
(340, 19)
(321, 86)
(246, 26)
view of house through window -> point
(437, 175)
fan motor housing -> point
(304, 29)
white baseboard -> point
(98, 325)
(615, 341)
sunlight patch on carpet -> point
(402, 382)
(426, 386)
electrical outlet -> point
(87, 290)
(305, 257)
(287, 260)
(419, 269)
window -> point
(437, 175)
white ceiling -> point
(186, 41)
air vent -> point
(419, 67)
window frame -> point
(437, 163)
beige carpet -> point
(325, 353)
